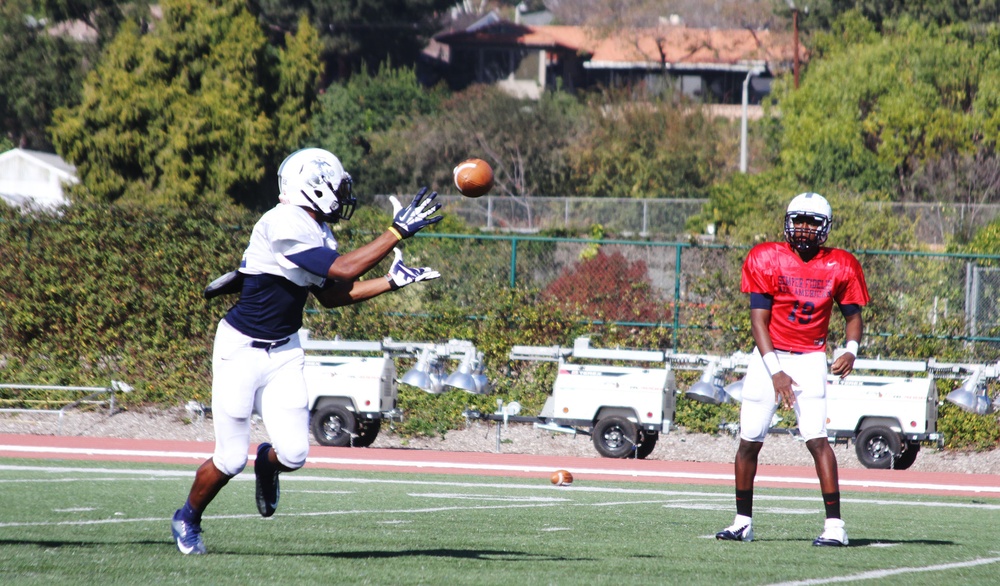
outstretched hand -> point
(416, 216)
(401, 275)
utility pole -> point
(795, 40)
(795, 44)
(743, 124)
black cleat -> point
(268, 491)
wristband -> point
(392, 283)
(852, 347)
(771, 363)
(395, 232)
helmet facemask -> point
(342, 206)
(806, 237)
(315, 179)
(813, 216)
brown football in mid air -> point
(473, 177)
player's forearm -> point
(367, 289)
(854, 328)
(353, 292)
(350, 266)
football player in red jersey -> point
(793, 286)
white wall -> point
(29, 178)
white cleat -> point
(736, 532)
(834, 534)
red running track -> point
(509, 465)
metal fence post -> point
(513, 262)
(677, 294)
(970, 301)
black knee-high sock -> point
(832, 503)
(744, 502)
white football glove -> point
(401, 275)
(414, 217)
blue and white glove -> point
(409, 220)
(401, 275)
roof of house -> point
(33, 178)
(50, 160)
(674, 46)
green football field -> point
(108, 523)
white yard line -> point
(473, 467)
(876, 574)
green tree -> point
(869, 113)
(649, 148)
(103, 16)
(352, 113)
(524, 141)
(986, 241)
(733, 205)
(186, 113)
(296, 97)
(40, 73)
(822, 14)
(358, 32)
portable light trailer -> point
(353, 385)
(888, 417)
(623, 408)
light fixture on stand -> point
(708, 389)
(483, 386)
(968, 398)
(420, 375)
(462, 378)
(437, 376)
(734, 391)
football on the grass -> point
(473, 177)
(562, 478)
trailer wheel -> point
(367, 432)
(908, 457)
(615, 437)
(877, 447)
(647, 441)
(333, 425)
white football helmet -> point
(315, 178)
(817, 211)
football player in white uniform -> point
(257, 361)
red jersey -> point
(804, 292)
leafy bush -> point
(608, 287)
(645, 148)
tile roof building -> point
(709, 65)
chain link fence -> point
(693, 290)
(982, 291)
(934, 223)
(663, 218)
